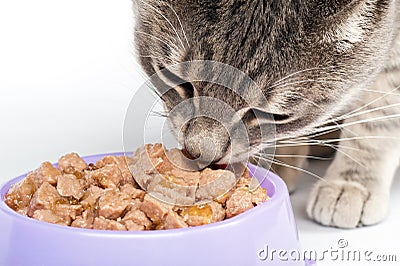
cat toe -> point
(345, 204)
(375, 208)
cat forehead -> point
(264, 39)
(212, 24)
(213, 9)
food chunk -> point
(90, 197)
(68, 212)
(245, 197)
(203, 214)
(108, 176)
(46, 197)
(240, 201)
(84, 221)
(214, 183)
(173, 220)
(20, 194)
(133, 192)
(47, 173)
(49, 216)
(69, 186)
(113, 203)
(71, 163)
(132, 226)
(258, 194)
(154, 209)
(155, 189)
(122, 163)
(101, 223)
(138, 217)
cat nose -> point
(206, 140)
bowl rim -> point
(279, 196)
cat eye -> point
(185, 89)
(253, 114)
(188, 88)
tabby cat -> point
(316, 62)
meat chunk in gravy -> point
(154, 189)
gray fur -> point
(337, 48)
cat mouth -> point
(233, 158)
(235, 164)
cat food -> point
(106, 196)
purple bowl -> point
(242, 240)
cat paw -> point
(346, 204)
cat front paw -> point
(346, 204)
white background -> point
(67, 74)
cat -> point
(315, 62)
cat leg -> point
(322, 150)
(356, 188)
(294, 158)
(287, 164)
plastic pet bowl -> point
(242, 240)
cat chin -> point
(244, 157)
(229, 159)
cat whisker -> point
(373, 119)
(304, 137)
(168, 21)
(380, 108)
(320, 133)
(339, 150)
(324, 129)
(328, 141)
(319, 143)
(319, 107)
(299, 156)
(327, 129)
(296, 82)
(278, 162)
(297, 73)
(347, 115)
(180, 23)
(155, 37)
(381, 92)
(157, 95)
(333, 146)
(158, 114)
(351, 114)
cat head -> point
(307, 57)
